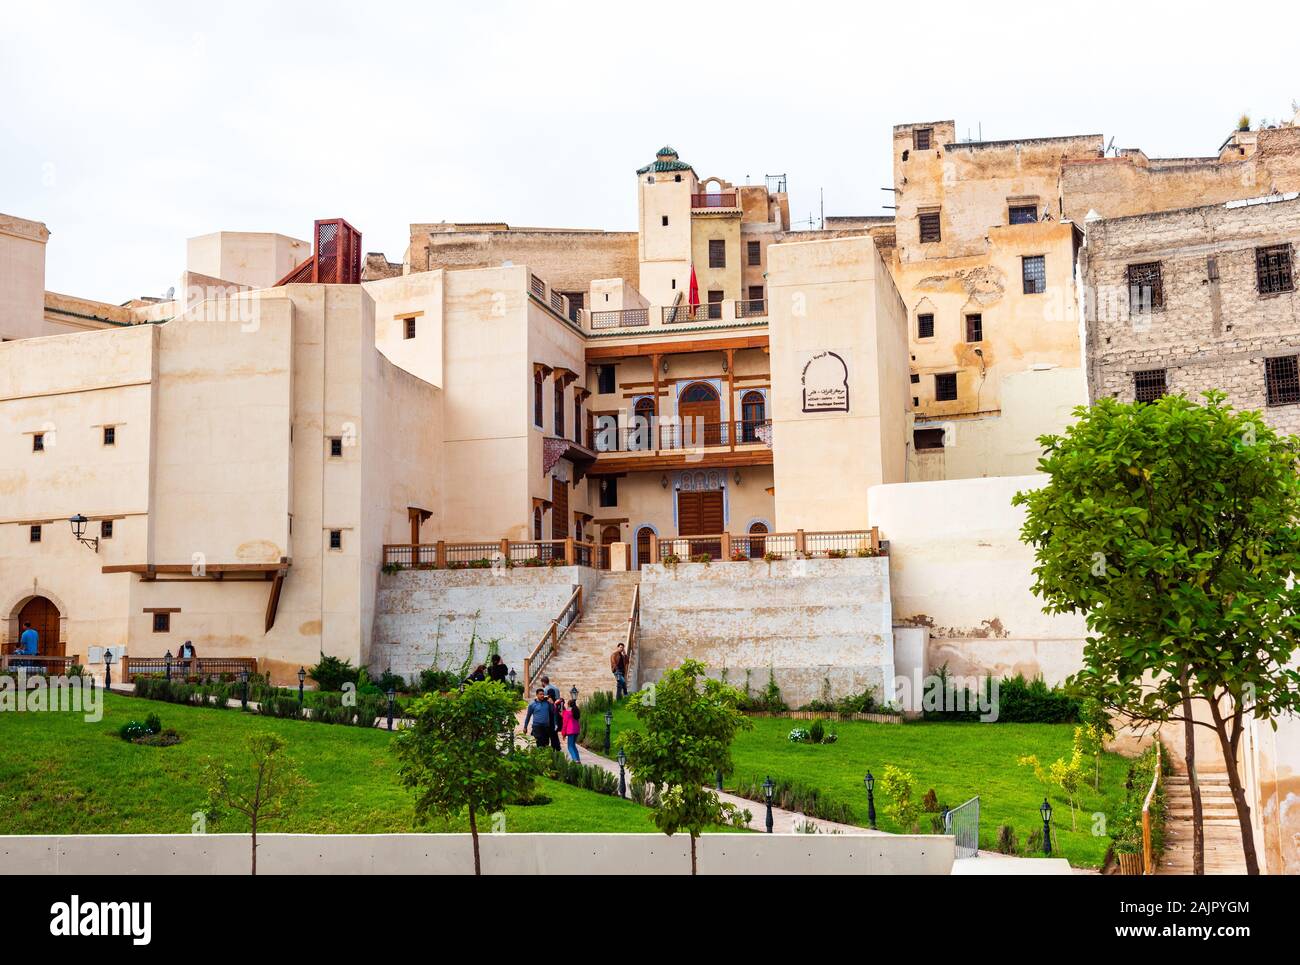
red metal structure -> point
(335, 260)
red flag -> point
(693, 298)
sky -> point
(128, 127)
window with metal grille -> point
(38, 442)
(410, 328)
(162, 623)
(605, 379)
(1273, 269)
(34, 534)
(717, 253)
(336, 447)
(537, 399)
(1282, 380)
(609, 491)
(106, 529)
(1022, 214)
(1146, 289)
(1149, 385)
(336, 539)
(110, 435)
(755, 251)
(921, 138)
(929, 223)
(925, 325)
(1033, 269)
(974, 328)
(945, 387)
(923, 439)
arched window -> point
(757, 543)
(642, 424)
(699, 392)
(701, 414)
(537, 398)
(753, 412)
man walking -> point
(618, 666)
(540, 714)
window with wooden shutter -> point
(717, 253)
(755, 253)
(929, 224)
(922, 138)
(974, 328)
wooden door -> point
(700, 514)
(610, 534)
(44, 618)
(757, 540)
(643, 546)
(700, 411)
(559, 509)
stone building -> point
(1196, 299)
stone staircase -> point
(582, 660)
(1223, 851)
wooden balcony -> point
(490, 554)
(799, 544)
(719, 201)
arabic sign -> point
(825, 383)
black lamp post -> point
(573, 693)
(1046, 812)
(391, 694)
(243, 679)
(302, 679)
(167, 664)
(609, 721)
(768, 788)
(512, 684)
(108, 669)
(870, 782)
(719, 778)
(622, 774)
(79, 531)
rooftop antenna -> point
(1110, 146)
(821, 192)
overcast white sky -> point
(127, 128)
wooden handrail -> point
(553, 636)
(1148, 859)
(633, 626)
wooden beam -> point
(610, 464)
(212, 568)
(273, 600)
(675, 347)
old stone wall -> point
(426, 618)
(805, 621)
(1215, 328)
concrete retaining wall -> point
(810, 621)
(440, 854)
(427, 617)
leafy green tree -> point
(1172, 526)
(689, 724)
(459, 755)
(1068, 775)
(269, 786)
(902, 807)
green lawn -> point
(958, 760)
(61, 775)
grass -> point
(62, 775)
(958, 760)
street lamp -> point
(573, 693)
(719, 777)
(622, 774)
(870, 782)
(108, 669)
(609, 720)
(512, 684)
(79, 531)
(1046, 811)
(391, 694)
(768, 788)
(167, 664)
(243, 679)
(302, 679)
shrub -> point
(771, 556)
(799, 736)
(930, 802)
(1034, 841)
(817, 732)
(768, 700)
(642, 793)
(1020, 701)
(792, 796)
(591, 719)
(702, 558)
(391, 681)
(432, 679)
(589, 777)
(1007, 843)
(332, 672)
(837, 554)
(897, 784)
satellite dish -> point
(171, 293)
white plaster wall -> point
(807, 620)
(442, 854)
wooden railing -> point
(485, 554)
(37, 664)
(645, 436)
(756, 546)
(550, 643)
(205, 668)
(725, 199)
(1148, 856)
(633, 631)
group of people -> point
(495, 670)
(552, 717)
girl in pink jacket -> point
(570, 727)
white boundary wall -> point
(446, 854)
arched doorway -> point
(752, 414)
(700, 410)
(610, 534)
(757, 543)
(642, 435)
(43, 615)
(643, 546)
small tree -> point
(269, 787)
(902, 807)
(1067, 775)
(1172, 527)
(459, 755)
(689, 725)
